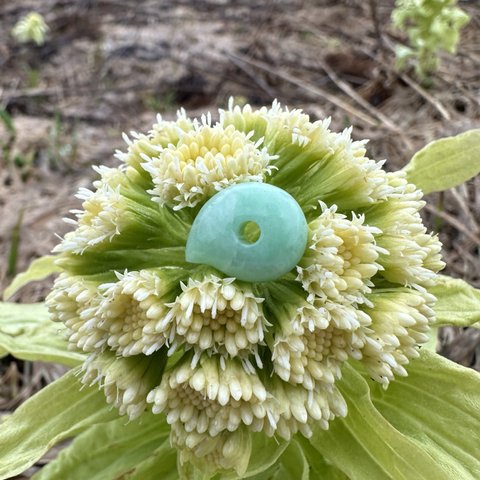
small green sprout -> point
(30, 28)
(432, 26)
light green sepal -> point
(458, 303)
(446, 163)
(292, 465)
(27, 333)
(59, 411)
(265, 453)
(93, 262)
(365, 446)
(38, 270)
(438, 407)
(111, 450)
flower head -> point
(74, 302)
(126, 381)
(204, 161)
(133, 307)
(102, 218)
(341, 258)
(31, 28)
(212, 397)
(400, 319)
(310, 348)
(224, 359)
(215, 314)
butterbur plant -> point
(252, 298)
(432, 26)
(31, 28)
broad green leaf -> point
(27, 333)
(162, 464)
(59, 411)
(38, 270)
(458, 303)
(437, 405)
(109, 450)
(365, 446)
(446, 163)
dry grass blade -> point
(460, 199)
(357, 98)
(429, 98)
(454, 222)
(258, 80)
(308, 87)
(420, 90)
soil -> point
(108, 66)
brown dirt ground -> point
(110, 65)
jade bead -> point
(219, 236)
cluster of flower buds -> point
(223, 358)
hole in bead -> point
(249, 232)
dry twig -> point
(454, 222)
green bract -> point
(285, 378)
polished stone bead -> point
(224, 233)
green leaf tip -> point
(27, 333)
(446, 163)
(38, 270)
(57, 412)
(458, 303)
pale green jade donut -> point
(251, 231)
